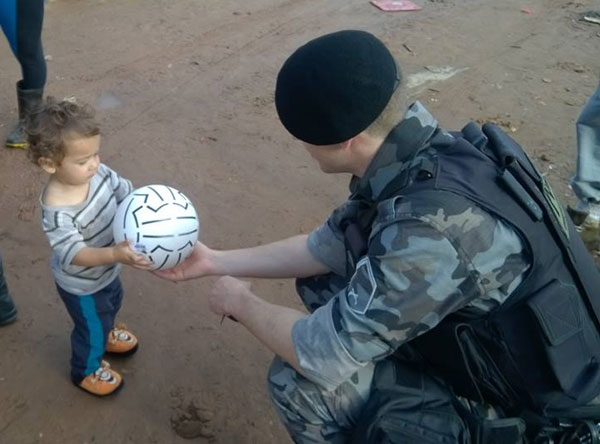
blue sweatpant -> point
(94, 317)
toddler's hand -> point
(125, 255)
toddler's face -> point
(81, 160)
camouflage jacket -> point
(424, 261)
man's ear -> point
(47, 164)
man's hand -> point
(227, 295)
(271, 324)
(125, 255)
(197, 264)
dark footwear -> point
(586, 217)
(8, 311)
(16, 138)
(9, 318)
(28, 100)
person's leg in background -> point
(8, 312)
(586, 182)
(21, 22)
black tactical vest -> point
(540, 349)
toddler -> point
(78, 206)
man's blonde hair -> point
(391, 115)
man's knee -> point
(289, 393)
(308, 411)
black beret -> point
(333, 87)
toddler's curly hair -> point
(53, 123)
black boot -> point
(28, 99)
(8, 312)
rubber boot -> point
(27, 99)
(8, 312)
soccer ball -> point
(159, 222)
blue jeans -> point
(586, 182)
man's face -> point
(331, 158)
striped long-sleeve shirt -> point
(88, 224)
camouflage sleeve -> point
(410, 279)
(326, 243)
(414, 275)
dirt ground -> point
(185, 96)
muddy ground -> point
(185, 96)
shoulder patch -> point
(361, 290)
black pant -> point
(21, 22)
(409, 406)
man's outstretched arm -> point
(287, 258)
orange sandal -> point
(102, 382)
(121, 341)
